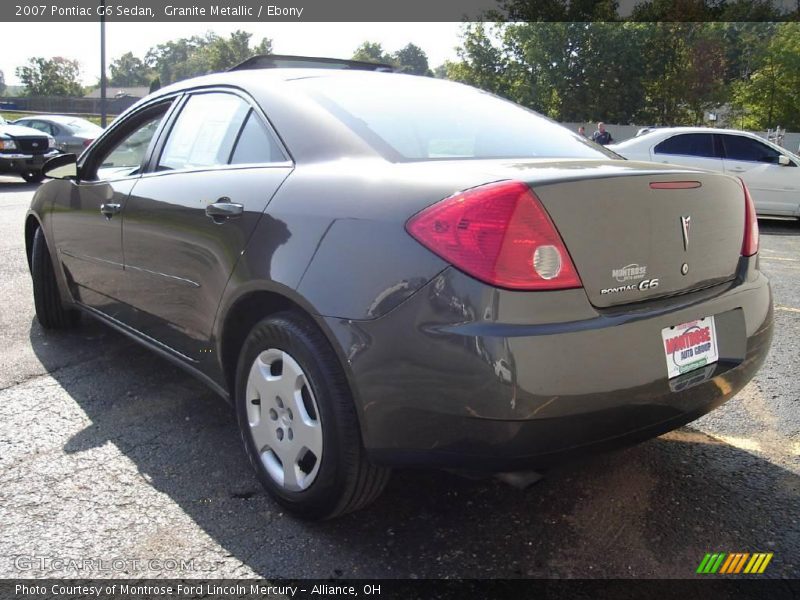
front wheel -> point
(298, 421)
(50, 310)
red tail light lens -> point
(498, 233)
(87, 143)
(750, 242)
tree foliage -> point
(199, 55)
(663, 73)
(129, 70)
(2, 82)
(51, 77)
(769, 96)
(409, 59)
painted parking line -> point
(786, 258)
(788, 309)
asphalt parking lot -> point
(108, 452)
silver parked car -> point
(72, 134)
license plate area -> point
(690, 346)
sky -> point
(81, 41)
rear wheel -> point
(298, 421)
(50, 310)
(32, 176)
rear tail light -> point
(750, 242)
(498, 233)
(87, 143)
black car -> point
(23, 151)
(385, 270)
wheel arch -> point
(32, 223)
(254, 305)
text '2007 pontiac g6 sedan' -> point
(383, 270)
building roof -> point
(117, 92)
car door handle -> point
(110, 209)
(224, 209)
(736, 169)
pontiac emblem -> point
(686, 222)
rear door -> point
(775, 188)
(189, 218)
(699, 150)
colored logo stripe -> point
(734, 563)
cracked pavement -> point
(109, 452)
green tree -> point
(769, 95)
(129, 70)
(199, 55)
(54, 77)
(373, 52)
(2, 83)
(558, 11)
(481, 63)
(413, 60)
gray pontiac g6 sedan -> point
(381, 270)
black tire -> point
(50, 311)
(33, 176)
(346, 481)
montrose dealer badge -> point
(690, 346)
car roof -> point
(310, 131)
(55, 118)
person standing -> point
(582, 131)
(601, 136)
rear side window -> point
(688, 144)
(255, 144)
(738, 147)
(420, 118)
(204, 133)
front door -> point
(775, 188)
(188, 220)
(88, 231)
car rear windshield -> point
(419, 118)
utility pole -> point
(103, 64)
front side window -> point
(39, 126)
(126, 157)
(739, 147)
(204, 133)
(688, 144)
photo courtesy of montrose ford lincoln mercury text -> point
(386, 270)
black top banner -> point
(396, 11)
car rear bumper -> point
(463, 375)
(22, 163)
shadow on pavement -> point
(9, 185)
(778, 227)
(652, 510)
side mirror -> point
(63, 166)
(783, 160)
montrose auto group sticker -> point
(690, 346)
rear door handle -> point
(224, 209)
(110, 209)
(737, 169)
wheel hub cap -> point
(284, 420)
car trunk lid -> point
(649, 234)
